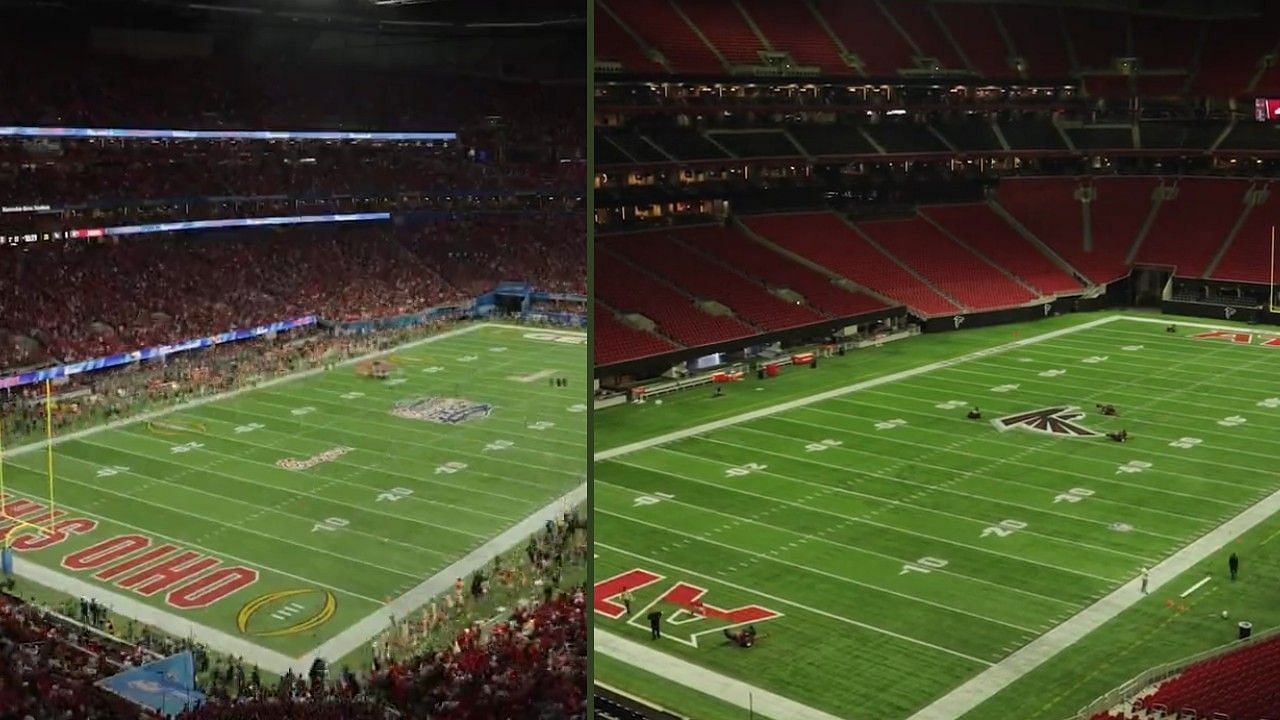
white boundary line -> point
(994, 679)
(829, 394)
(708, 682)
(271, 660)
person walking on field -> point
(1234, 564)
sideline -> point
(270, 660)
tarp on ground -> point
(167, 686)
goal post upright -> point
(1271, 274)
(48, 430)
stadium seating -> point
(982, 229)
(724, 27)
(112, 297)
(1217, 57)
(913, 16)
(972, 281)
(1119, 208)
(826, 240)
(663, 29)
(744, 254)
(1098, 37)
(1248, 259)
(626, 288)
(1244, 683)
(612, 43)
(705, 279)
(793, 29)
(866, 31)
(1190, 229)
(974, 29)
(1035, 32)
(616, 342)
(1048, 209)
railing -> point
(1164, 672)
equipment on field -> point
(379, 369)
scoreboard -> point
(1266, 109)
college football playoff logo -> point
(1056, 421)
(441, 409)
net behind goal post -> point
(41, 522)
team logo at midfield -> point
(1057, 421)
(441, 409)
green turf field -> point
(318, 499)
(889, 549)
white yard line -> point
(994, 679)
(696, 677)
(838, 392)
(350, 638)
(360, 632)
(999, 676)
(148, 614)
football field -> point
(294, 518)
(888, 549)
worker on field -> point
(1233, 563)
(1146, 577)
(655, 624)
(626, 600)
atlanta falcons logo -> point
(1057, 421)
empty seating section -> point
(1098, 38)
(866, 32)
(951, 268)
(722, 25)
(1031, 133)
(792, 28)
(1101, 138)
(685, 144)
(1110, 86)
(828, 241)
(613, 43)
(1048, 209)
(902, 137)
(970, 132)
(975, 31)
(628, 289)
(615, 341)
(1175, 55)
(1160, 85)
(1163, 43)
(779, 271)
(834, 139)
(1241, 684)
(1037, 37)
(918, 22)
(1249, 257)
(1168, 135)
(979, 226)
(1252, 135)
(708, 280)
(1233, 54)
(609, 154)
(662, 28)
(1190, 229)
(1119, 208)
(633, 146)
(765, 143)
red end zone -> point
(130, 562)
(692, 615)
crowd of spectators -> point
(74, 300)
(530, 665)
